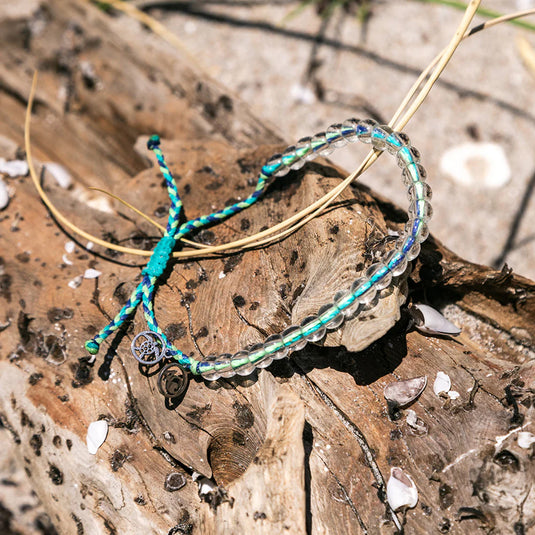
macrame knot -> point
(160, 257)
(153, 142)
(91, 347)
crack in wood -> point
(364, 446)
(347, 498)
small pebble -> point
(69, 247)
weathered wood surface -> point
(303, 447)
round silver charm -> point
(148, 348)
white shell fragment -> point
(96, 435)
(69, 247)
(417, 424)
(60, 174)
(477, 165)
(205, 485)
(76, 282)
(525, 439)
(14, 168)
(453, 394)
(302, 94)
(431, 321)
(401, 492)
(92, 274)
(442, 383)
(4, 195)
(66, 261)
(402, 393)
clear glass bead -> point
(256, 353)
(349, 305)
(379, 275)
(417, 228)
(258, 356)
(364, 130)
(289, 156)
(364, 289)
(275, 347)
(421, 209)
(209, 373)
(379, 135)
(408, 155)
(292, 338)
(313, 329)
(303, 148)
(331, 311)
(396, 141)
(413, 252)
(224, 366)
(281, 171)
(334, 135)
(241, 363)
(401, 264)
(349, 128)
(419, 190)
(272, 165)
(320, 145)
(413, 173)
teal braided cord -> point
(158, 260)
(162, 253)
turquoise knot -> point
(91, 347)
(153, 142)
(160, 257)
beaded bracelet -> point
(151, 347)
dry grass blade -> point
(146, 217)
(286, 227)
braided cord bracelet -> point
(150, 347)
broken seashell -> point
(442, 383)
(491, 169)
(430, 321)
(205, 485)
(526, 439)
(96, 435)
(416, 423)
(4, 195)
(60, 174)
(66, 261)
(453, 394)
(69, 247)
(92, 274)
(14, 168)
(76, 282)
(401, 492)
(402, 393)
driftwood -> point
(303, 447)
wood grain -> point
(302, 447)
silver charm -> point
(148, 348)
